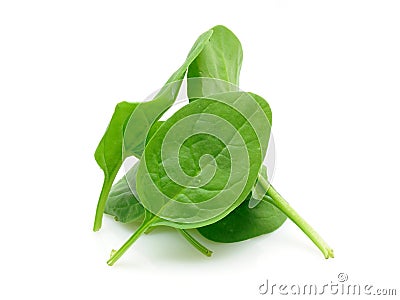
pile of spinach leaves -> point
(211, 75)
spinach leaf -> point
(245, 223)
(225, 146)
(121, 202)
(110, 152)
(221, 59)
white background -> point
(331, 73)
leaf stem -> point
(284, 206)
(195, 243)
(189, 238)
(115, 255)
(105, 191)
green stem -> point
(192, 241)
(282, 205)
(115, 255)
(105, 191)
(195, 243)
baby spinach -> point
(108, 154)
(202, 167)
(245, 223)
(221, 59)
(121, 202)
(191, 136)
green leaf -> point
(221, 59)
(209, 149)
(245, 223)
(121, 202)
(110, 152)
